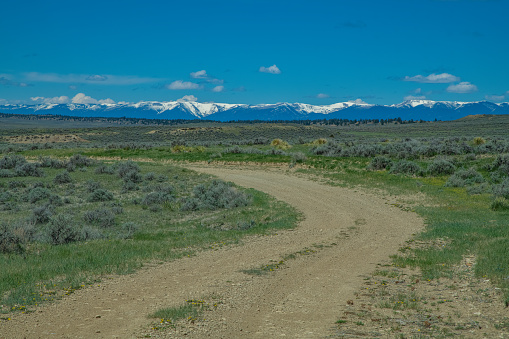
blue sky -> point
(254, 51)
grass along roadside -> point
(161, 201)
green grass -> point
(44, 271)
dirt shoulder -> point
(347, 232)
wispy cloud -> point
(79, 98)
(495, 97)
(218, 89)
(186, 98)
(272, 69)
(55, 100)
(322, 96)
(179, 84)
(414, 97)
(199, 75)
(433, 78)
(462, 87)
(10, 83)
(104, 79)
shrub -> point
(218, 194)
(56, 200)
(501, 163)
(63, 230)
(502, 189)
(280, 144)
(28, 170)
(441, 167)
(127, 230)
(479, 141)
(406, 167)
(5, 173)
(499, 204)
(100, 195)
(51, 162)
(477, 189)
(156, 198)
(92, 185)
(102, 216)
(132, 176)
(379, 163)
(299, 157)
(41, 214)
(79, 160)
(129, 186)
(464, 177)
(16, 184)
(62, 178)
(103, 169)
(38, 193)
(150, 176)
(11, 161)
(126, 168)
(320, 141)
(9, 241)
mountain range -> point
(407, 110)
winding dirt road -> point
(303, 300)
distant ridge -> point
(407, 110)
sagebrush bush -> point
(62, 178)
(41, 214)
(51, 162)
(127, 167)
(380, 163)
(502, 189)
(218, 194)
(441, 167)
(5, 173)
(103, 169)
(37, 194)
(92, 185)
(100, 195)
(9, 241)
(79, 160)
(102, 217)
(11, 161)
(501, 163)
(406, 167)
(298, 157)
(63, 229)
(157, 198)
(127, 230)
(463, 177)
(28, 170)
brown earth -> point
(44, 138)
(346, 233)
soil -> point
(344, 236)
(44, 138)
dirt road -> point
(300, 301)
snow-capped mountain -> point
(411, 109)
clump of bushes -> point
(499, 204)
(502, 189)
(380, 163)
(441, 167)
(100, 195)
(102, 217)
(479, 141)
(63, 230)
(280, 144)
(63, 178)
(218, 194)
(406, 167)
(465, 177)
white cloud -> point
(106, 101)
(462, 87)
(272, 69)
(495, 97)
(73, 87)
(218, 89)
(199, 75)
(188, 98)
(433, 78)
(322, 96)
(3, 102)
(417, 91)
(55, 100)
(179, 84)
(81, 98)
(97, 77)
(358, 102)
(413, 97)
(104, 79)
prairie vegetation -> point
(61, 198)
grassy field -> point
(454, 174)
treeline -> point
(172, 122)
